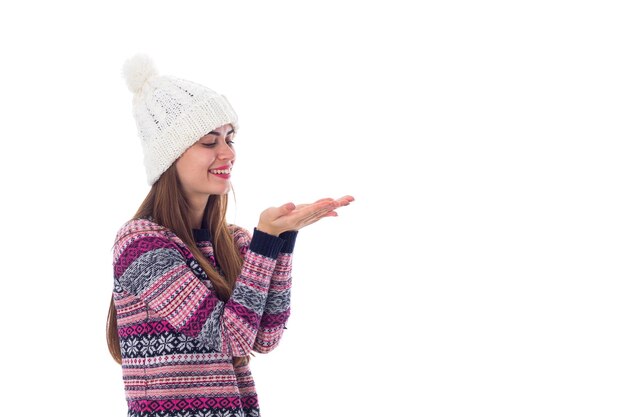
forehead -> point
(220, 131)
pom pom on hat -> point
(137, 70)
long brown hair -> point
(168, 207)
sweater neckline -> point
(201, 234)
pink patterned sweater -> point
(177, 338)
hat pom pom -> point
(137, 70)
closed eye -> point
(211, 145)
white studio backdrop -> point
(480, 271)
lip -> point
(222, 167)
(225, 176)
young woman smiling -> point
(193, 295)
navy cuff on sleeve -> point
(265, 244)
(290, 240)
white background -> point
(480, 271)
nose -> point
(225, 151)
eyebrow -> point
(218, 133)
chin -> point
(220, 192)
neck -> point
(196, 211)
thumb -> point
(286, 208)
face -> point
(197, 166)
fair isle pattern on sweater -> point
(177, 338)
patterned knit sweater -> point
(177, 337)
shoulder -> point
(135, 226)
(142, 240)
(138, 230)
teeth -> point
(221, 171)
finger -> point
(322, 205)
(346, 198)
(331, 213)
(343, 202)
(317, 202)
(323, 199)
(314, 214)
(317, 214)
(319, 210)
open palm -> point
(276, 220)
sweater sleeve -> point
(155, 269)
(278, 304)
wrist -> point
(263, 228)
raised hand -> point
(276, 220)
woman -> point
(194, 295)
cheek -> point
(202, 161)
(190, 166)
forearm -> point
(278, 305)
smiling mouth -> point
(225, 176)
(220, 171)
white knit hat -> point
(171, 113)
